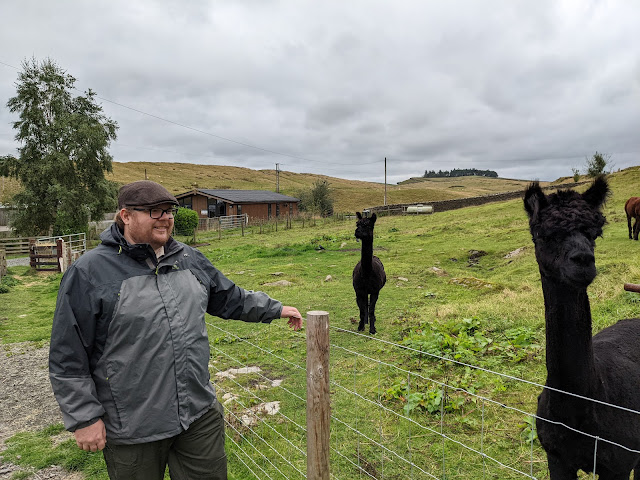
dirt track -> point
(26, 401)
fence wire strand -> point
(492, 372)
(378, 403)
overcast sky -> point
(529, 89)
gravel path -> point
(18, 262)
(27, 402)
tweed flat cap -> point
(144, 193)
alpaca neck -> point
(366, 255)
(570, 364)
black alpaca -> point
(368, 274)
(606, 367)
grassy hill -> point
(349, 195)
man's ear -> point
(125, 215)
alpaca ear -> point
(598, 192)
(373, 218)
(534, 200)
(359, 215)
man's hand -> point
(91, 438)
(295, 319)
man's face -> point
(139, 227)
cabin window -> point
(186, 202)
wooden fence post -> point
(66, 247)
(3, 263)
(32, 252)
(318, 400)
(62, 266)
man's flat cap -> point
(144, 193)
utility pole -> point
(385, 181)
(277, 178)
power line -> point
(188, 127)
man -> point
(129, 350)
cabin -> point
(256, 204)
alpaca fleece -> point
(368, 274)
(605, 367)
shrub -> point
(317, 200)
(186, 221)
(596, 165)
(576, 174)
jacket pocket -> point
(114, 411)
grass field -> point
(452, 290)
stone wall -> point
(444, 205)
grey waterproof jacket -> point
(129, 342)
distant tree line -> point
(459, 172)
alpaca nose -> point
(582, 258)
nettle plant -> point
(463, 341)
(436, 398)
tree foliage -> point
(317, 200)
(460, 172)
(62, 154)
(597, 163)
(185, 221)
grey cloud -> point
(526, 89)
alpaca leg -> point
(361, 300)
(372, 313)
(636, 229)
(558, 470)
(629, 226)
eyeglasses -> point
(157, 213)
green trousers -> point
(197, 453)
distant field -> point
(349, 195)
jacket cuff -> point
(84, 424)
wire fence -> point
(415, 415)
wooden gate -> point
(45, 257)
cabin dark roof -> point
(242, 196)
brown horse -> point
(632, 208)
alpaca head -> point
(564, 227)
(364, 226)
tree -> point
(596, 165)
(317, 200)
(460, 172)
(63, 153)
